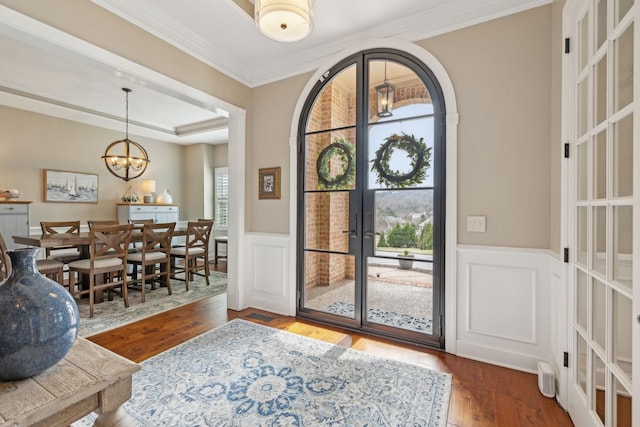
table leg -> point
(110, 414)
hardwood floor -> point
(482, 394)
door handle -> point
(353, 225)
(368, 222)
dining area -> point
(108, 259)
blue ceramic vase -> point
(39, 319)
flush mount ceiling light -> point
(385, 93)
(284, 20)
(124, 158)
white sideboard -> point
(157, 212)
(14, 220)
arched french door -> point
(371, 198)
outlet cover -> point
(476, 223)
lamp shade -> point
(284, 20)
(148, 186)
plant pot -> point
(39, 319)
(405, 262)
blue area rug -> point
(245, 374)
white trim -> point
(451, 167)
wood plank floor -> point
(482, 394)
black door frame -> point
(357, 198)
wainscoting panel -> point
(503, 310)
(487, 284)
(269, 288)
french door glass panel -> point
(603, 204)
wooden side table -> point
(89, 378)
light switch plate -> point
(476, 223)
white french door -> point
(603, 218)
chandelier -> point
(125, 158)
(284, 20)
(385, 93)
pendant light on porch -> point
(125, 158)
(385, 93)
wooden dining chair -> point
(92, 222)
(153, 256)
(106, 265)
(64, 254)
(5, 262)
(54, 270)
(140, 222)
(194, 254)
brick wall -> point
(326, 213)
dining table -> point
(82, 240)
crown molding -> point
(450, 16)
(180, 36)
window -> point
(222, 197)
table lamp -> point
(148, 188)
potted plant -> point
(406, 260)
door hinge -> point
(567, 45)
(440, 323)
(566, 150)
(565, 359)
(299, 146)
(566, 255)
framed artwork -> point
(72, 187)
(269, 183)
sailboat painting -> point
(63, 186)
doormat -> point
(389, 318)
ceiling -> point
(50, 72)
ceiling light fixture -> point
(385, 93)
(284, 20)
(124, 158)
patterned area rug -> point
(390, 318)
(112, 314)
(245, 374)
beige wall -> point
(31, 142)
(96, 25)
(502, 75)
(501, 72)
(199, 166)
(273, 105)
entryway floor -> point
(395, 297)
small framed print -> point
(269, 183)
(71, 187)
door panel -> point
(371, 155)
(603, 207)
